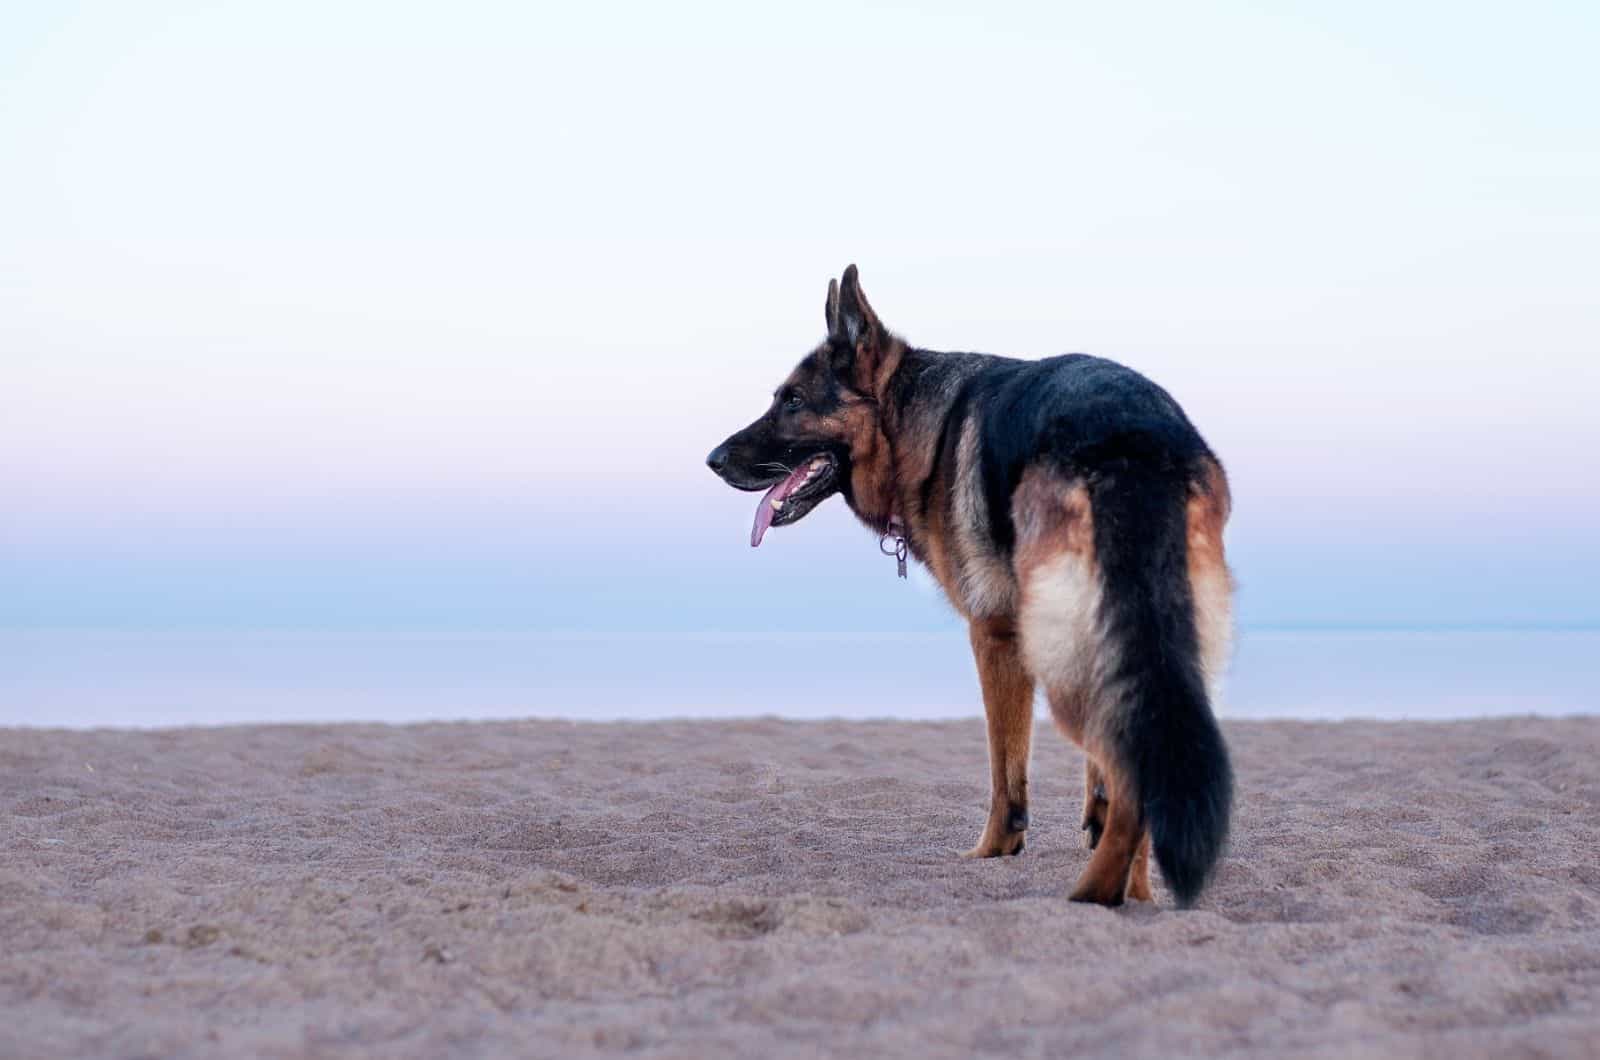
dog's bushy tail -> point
(1160, 724)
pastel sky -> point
(402, 316)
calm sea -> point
(81, 680)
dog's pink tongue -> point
(765, 511)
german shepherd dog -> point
(1074, 517)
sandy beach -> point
(780, 889)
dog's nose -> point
(718, 458)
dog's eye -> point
(793, 402)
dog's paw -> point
(1096, 893)
(1008, 845)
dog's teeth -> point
(777, 505)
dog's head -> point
(822, 433)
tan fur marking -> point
(1051, 515)
(856, 423)
(859, 423)
(1210, 583)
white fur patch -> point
(1063, 645)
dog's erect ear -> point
(830, 309)
(858, 324)
(852, 321)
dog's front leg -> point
(1008, 703)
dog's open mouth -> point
(793, 497)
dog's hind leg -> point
(1008, 705)
(1095, 806)
(1106, 879)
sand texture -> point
(770, 889)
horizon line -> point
(1314, 626)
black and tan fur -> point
(1074, 517)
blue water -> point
(80, 680)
